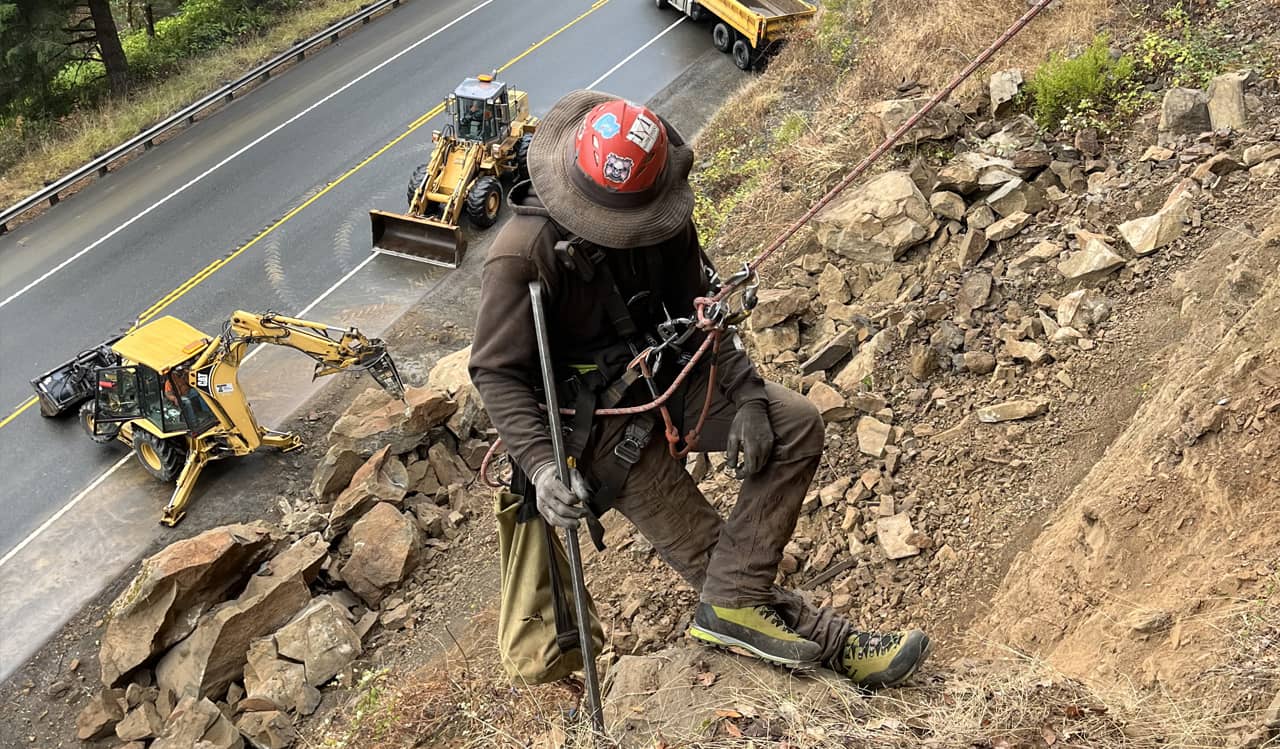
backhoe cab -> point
(171, 392)
(486, 140)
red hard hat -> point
(621, 147)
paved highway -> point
(261, 206)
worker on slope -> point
(606, 223)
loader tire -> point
(162, 458)
(108, 432)
(522, 157)
(414, 181)
(742, 54)
(722, 37)
(662, 4)
(484, 201)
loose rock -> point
(879, 221)
(385, 548)
(383, 478)
(893, 533)
(873, 436)
(1096, 258)
(173, 589)
(1013, 411)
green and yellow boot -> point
(882, 659)
(756, 629)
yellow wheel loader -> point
(172, 393)
(486, 140)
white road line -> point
(321, 298)
(239, 153)
(65, 508)
(107, 474)
(96, 482)
(633, 55)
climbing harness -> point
(732, 301)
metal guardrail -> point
(101, 165)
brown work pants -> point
(732, 562)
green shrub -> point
(1188, 52)
(1070, 91)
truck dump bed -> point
(771, 9)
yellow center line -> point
(216, 265)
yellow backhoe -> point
(487, 139)
(172, 393)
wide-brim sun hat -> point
(591, 211)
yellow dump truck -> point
(746, 28)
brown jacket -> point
(504, 356)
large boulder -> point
(942, 122)
(1094, 260)
(385, 547)
(99, 717)
(449, 467)
(375, 420)
(684, 691)
(322, 639)
(198, 722)
(274, 683)
(450, 376)
(173, 589)
(1227, 108)
(1185, 111)
(879, 221)
(859, 371)
(383, 478)
(1147, 234)
(270, 729)
(334, 472)
(1004, 87)
(776, 306)
(215, 653)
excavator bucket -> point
(423, 239)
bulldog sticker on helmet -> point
(617, 168)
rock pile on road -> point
(224, 639)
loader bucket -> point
(422, 239)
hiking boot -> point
(757, 629)
(882, 659)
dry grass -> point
(465, 701)
(86, 133)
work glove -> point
(751, 438)
(558, 504)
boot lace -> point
(864, 645)
(770, 614)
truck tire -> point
(722, 37)
(522, 157)
(109, 431)
(162, 458)
(697, 12)
(742, 54)
(662, 4)
(484, 202)
(414, 181)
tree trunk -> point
(104, 27)
(151, 20)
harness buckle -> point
(634, 439)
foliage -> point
(198, 27)
(1187, 51)
(1073, 92)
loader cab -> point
(480, 109)
(154, 381)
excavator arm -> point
(215, 375)
(333, 349)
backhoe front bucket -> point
(422, 239)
